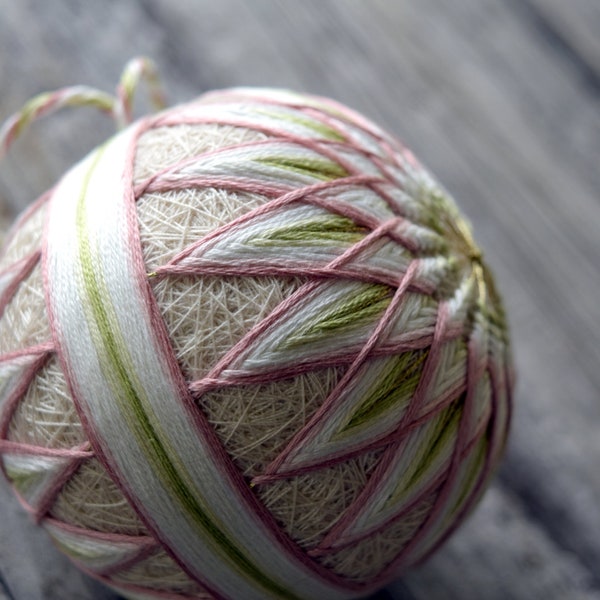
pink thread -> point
(38, 349)
(473, 373)
(12, 402)
(332, 542)
(22, 270)
(78, 452)
(307, 433)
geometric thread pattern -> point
(390, 292)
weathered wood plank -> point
(573, 28)
(485, 98)
(502, 539)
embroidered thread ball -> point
(248, 349)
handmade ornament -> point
(248, 349)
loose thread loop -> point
(119, 106)
(136, 70)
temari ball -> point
(248, 350)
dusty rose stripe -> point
(289, 270)
(44, 348)
(164, 342)
(9, 447)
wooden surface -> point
(501, 99)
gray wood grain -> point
(500, 98)
(502, 539)
(573, 28)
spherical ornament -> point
(248, 350)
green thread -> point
(362, 306)
(115, 360)
(473, 472)
(328, 230)
(445, 428)
(323, 169)
(437, 440)
(88, 97)
(395, 386)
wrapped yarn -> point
(248, 349)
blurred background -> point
(501, 99)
